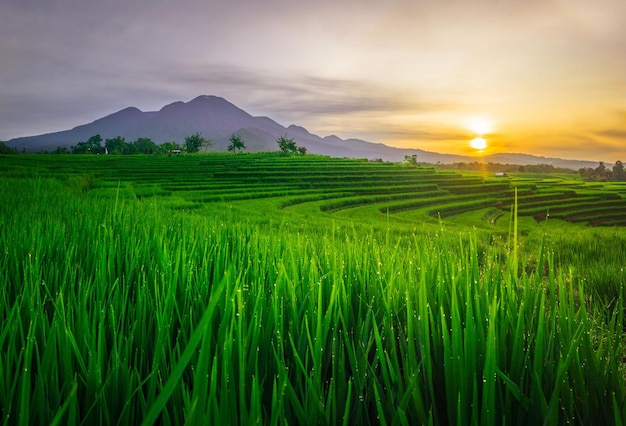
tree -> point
(287, 146)
(236, 143)
(95, 143)
(117, 145)
(411, 159)
(92, 146)
(601, 170)
(80, 148)
(586, 173)
(618, 172)
(145, 146)
(5, 149)
(302, 150)
(196, 142)
(168, 147)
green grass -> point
(121, 311)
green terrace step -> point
(351, 202)
(564, 204)
(323, 184)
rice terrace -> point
(216, 288)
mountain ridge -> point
(216, 118)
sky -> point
(542, 77)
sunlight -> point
(480, 125)
(478, 143)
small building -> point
(500, 174)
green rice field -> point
(261, 289)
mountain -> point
(119, 123)
(217, 119)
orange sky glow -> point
(549, 76)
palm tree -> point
(236, 143)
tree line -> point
(193, 144)
(507, 168)
(119, 146)
(603, 173)
(6, 149)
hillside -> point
(216, 118)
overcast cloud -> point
(408, 73)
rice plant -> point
(118, 311)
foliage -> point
(411, 159)
(145, 146)
(286, 145)
(604, 174)
(117, 145)
(508, 168)
(5, 149)
(168, 147)
(236, 143)
(618, 172)
(196, 142)
(91, 146)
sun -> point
(480, 126)
(478, 143)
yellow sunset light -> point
(480, 125)
(478, 143)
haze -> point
(549, 77)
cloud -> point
(614, 134)
(573, 146)
(401, 70)
(289, 94)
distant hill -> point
(217, 119)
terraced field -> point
(260, 289)
(329, 187)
